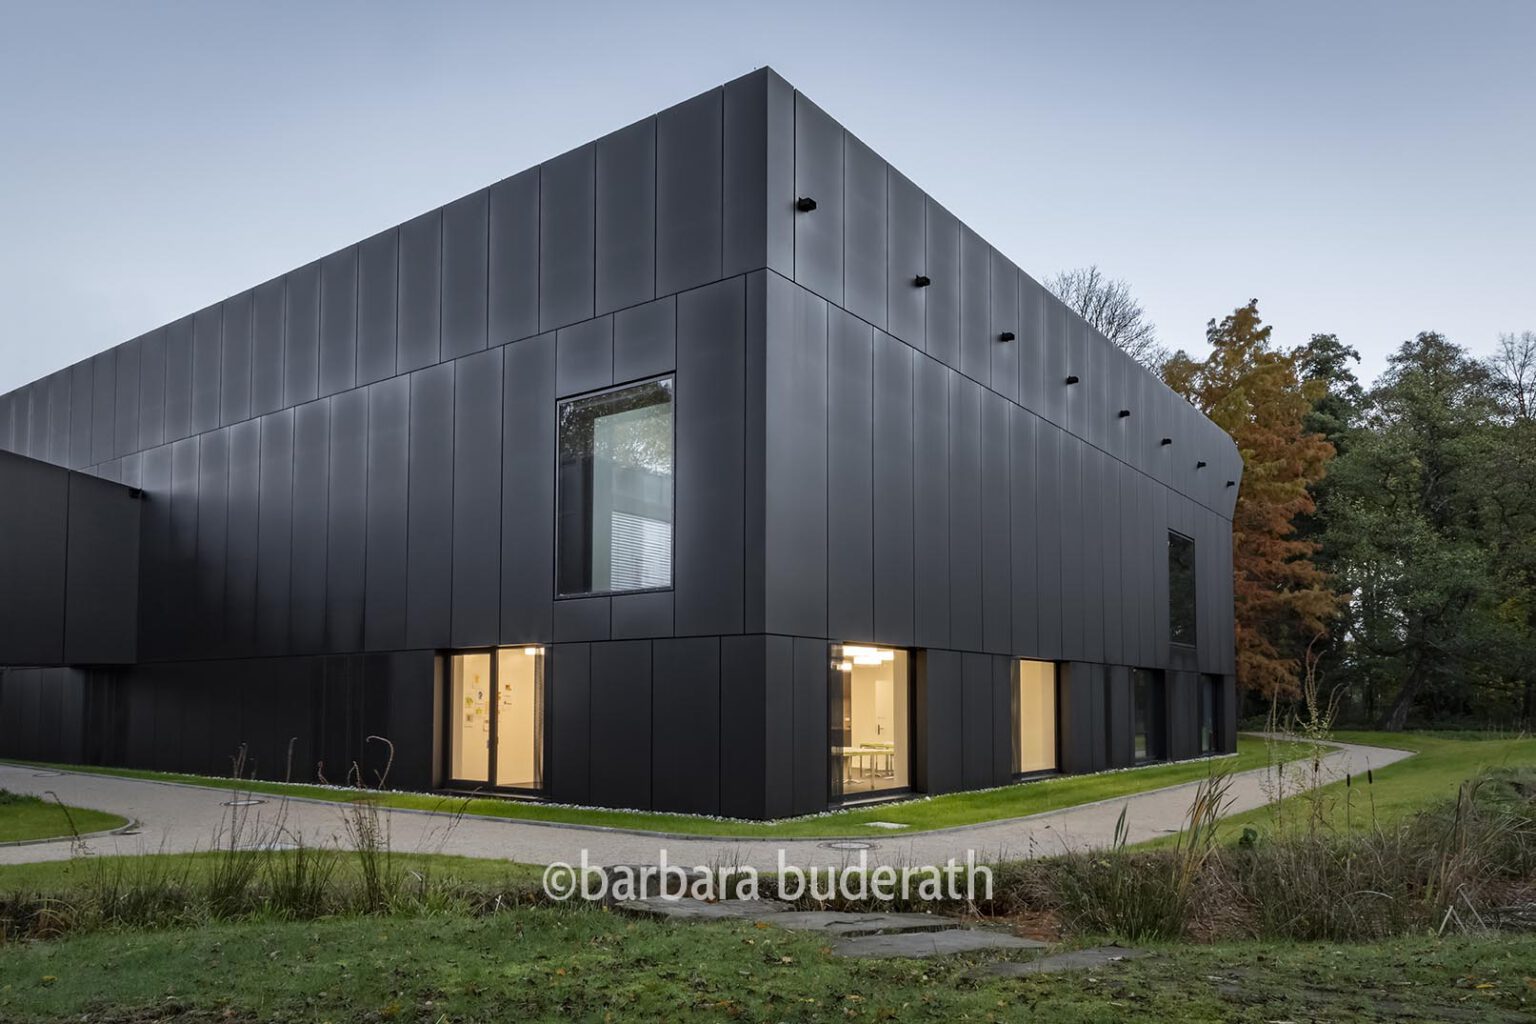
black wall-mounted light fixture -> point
(1072, 379)
(805, 204)
(1200, 464)
(1124, 413)
(1231, 483)
(1006, 336)
(1165, 442)
(921, 280)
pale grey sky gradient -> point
(1364, 168)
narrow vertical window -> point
(1034, 717)
(1181, 589)
(1208, 714)
(870, 721)
(615, 491)
(1148, 697)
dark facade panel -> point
(570, 723)
(126, 434)
(906, 258)
(743, 726)
(744, 241)
(243, 537)
(937, 738)
(811, 738)
(621, 723)
(965, 539)
(101, 589)
(779, 726)
(689, 191)
(419, 317)
(477, 499)
(892, 489)
(466, 256)
(850, 464)
(1002, 720)
(339, 280)
(941, 297)
(82, 406)
(212, 542)
(975, 307)
(389, 405)
(685, 716)
(819, 177)
(645, 340)
(1005, 320)
(795, 519)
(182, 629)
(1031, 345)
(583, 619)
(1023, 488)
(514, 257)
(528, 490)
(566, 225)
(33, 538)
(626, 217)
(1053, 390)
(1090, 551)
(709, 547)
(639, 616)
(996, 527)
(1120, 713)
(266, 349)
(1112, 587)
(58, 405)
(378, 271)
(311, 511)
(781, 175)
(235, 363)
(930, 504)
(584, 356)
(154, 547)
(429, 548)
(103, 412)
(755, 453)
(301, 336)
(976, 721)
(207, 367)
(864, 232)
(1048, 512)
(347, 523)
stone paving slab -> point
(830, 922)
(922, 945)
(1059, 963)
(690, 909)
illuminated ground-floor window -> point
(1034, 717)
(871, 713)
(496, 718)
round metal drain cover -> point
(847, 844)
(243, 803)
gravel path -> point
(177, 818)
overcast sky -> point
(1362, 168)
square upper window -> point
(615, 491)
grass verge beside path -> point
(919, 815)
(1441, 763)
(63, 876)
(578, 964)
(25, 818)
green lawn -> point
(1442, 762)
(24, 818)
(534, 963)
(918, 815)
(62, 876)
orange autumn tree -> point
(1256, 393)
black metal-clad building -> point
(712, 466)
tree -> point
(1514, 371)
(1256, 393)
(1412, 526)
(1110, 309)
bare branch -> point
(1110, 308)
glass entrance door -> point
(496, 719)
